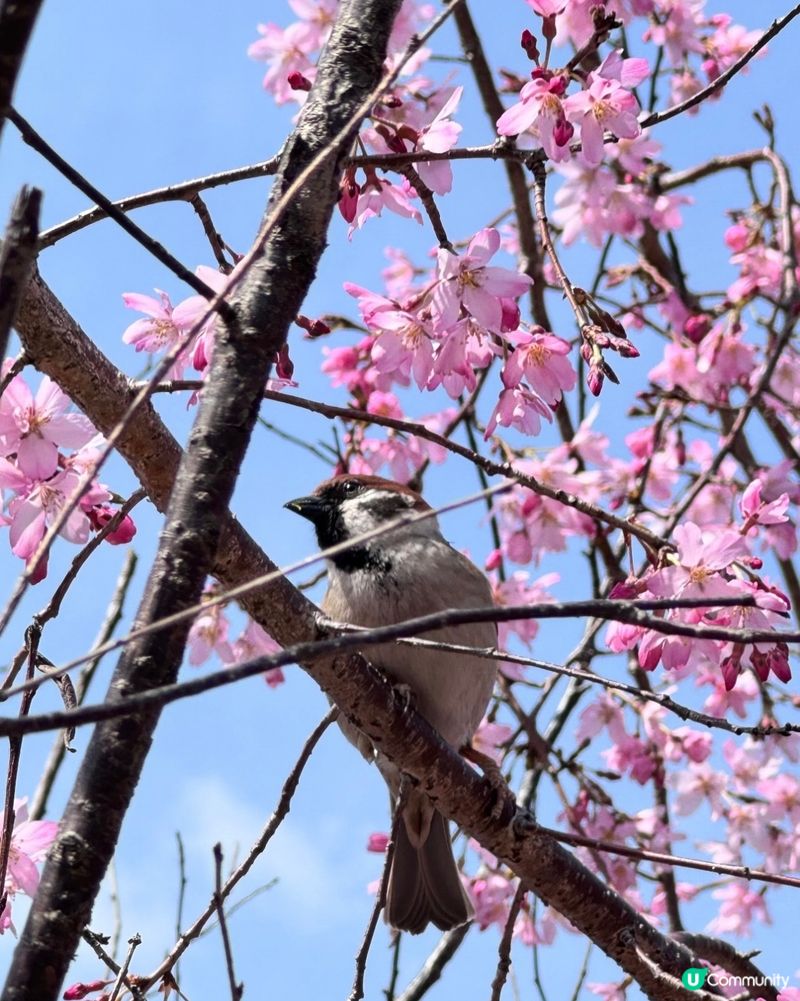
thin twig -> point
(504, 948)
(691, 102)
(434, 965)
(180, 192)
(213, 237)
(357, 991)
(113, 615)
(223, 596)
(272, 825)
(182, 881)
(96, 944)
(237, 989)
(123, 970)
(14, 752)
(355, 638)
(662, 858)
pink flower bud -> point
(594, 380)
(626, 349)
(696, 327)
(494, 559)
(79, 990)
(563, 131)
(348, 196)
(377, 843)
(101, 515)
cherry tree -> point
(631, 431)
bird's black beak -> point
(313, 508)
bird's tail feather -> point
(424, 884)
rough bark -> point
(265, 305)
(17, 255)
(17, 20)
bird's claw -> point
(505, 803)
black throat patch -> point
(362, 558)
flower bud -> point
(297, 81)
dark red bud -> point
(528, 43)
(563, 131)
(297, 81)
(314, 328)
(549, 27)
(284, 366)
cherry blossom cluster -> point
(187, 330)
(30, 841)
(38, 478)
(443, 333)
(209, 634)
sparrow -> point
(409, 571)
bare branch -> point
(180, 192)
(236, 989)
(434, 965)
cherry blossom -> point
(35, 427)
(30, 842)
(470, 282)
(607, 103)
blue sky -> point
(141, 97)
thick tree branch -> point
(17, 254)
(17, 21)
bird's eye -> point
(350, 486)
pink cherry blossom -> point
(30, 842)
(490, 737)
(469, 282)
(36, 506)
(607, 103)
(541, 112)
(161, 332)
(253, 642)
(519, 408)
(209, 634)
(542, 359)
(377, 194)
(35, 427)
(491, 896)
(439, 136)
(378, 842)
